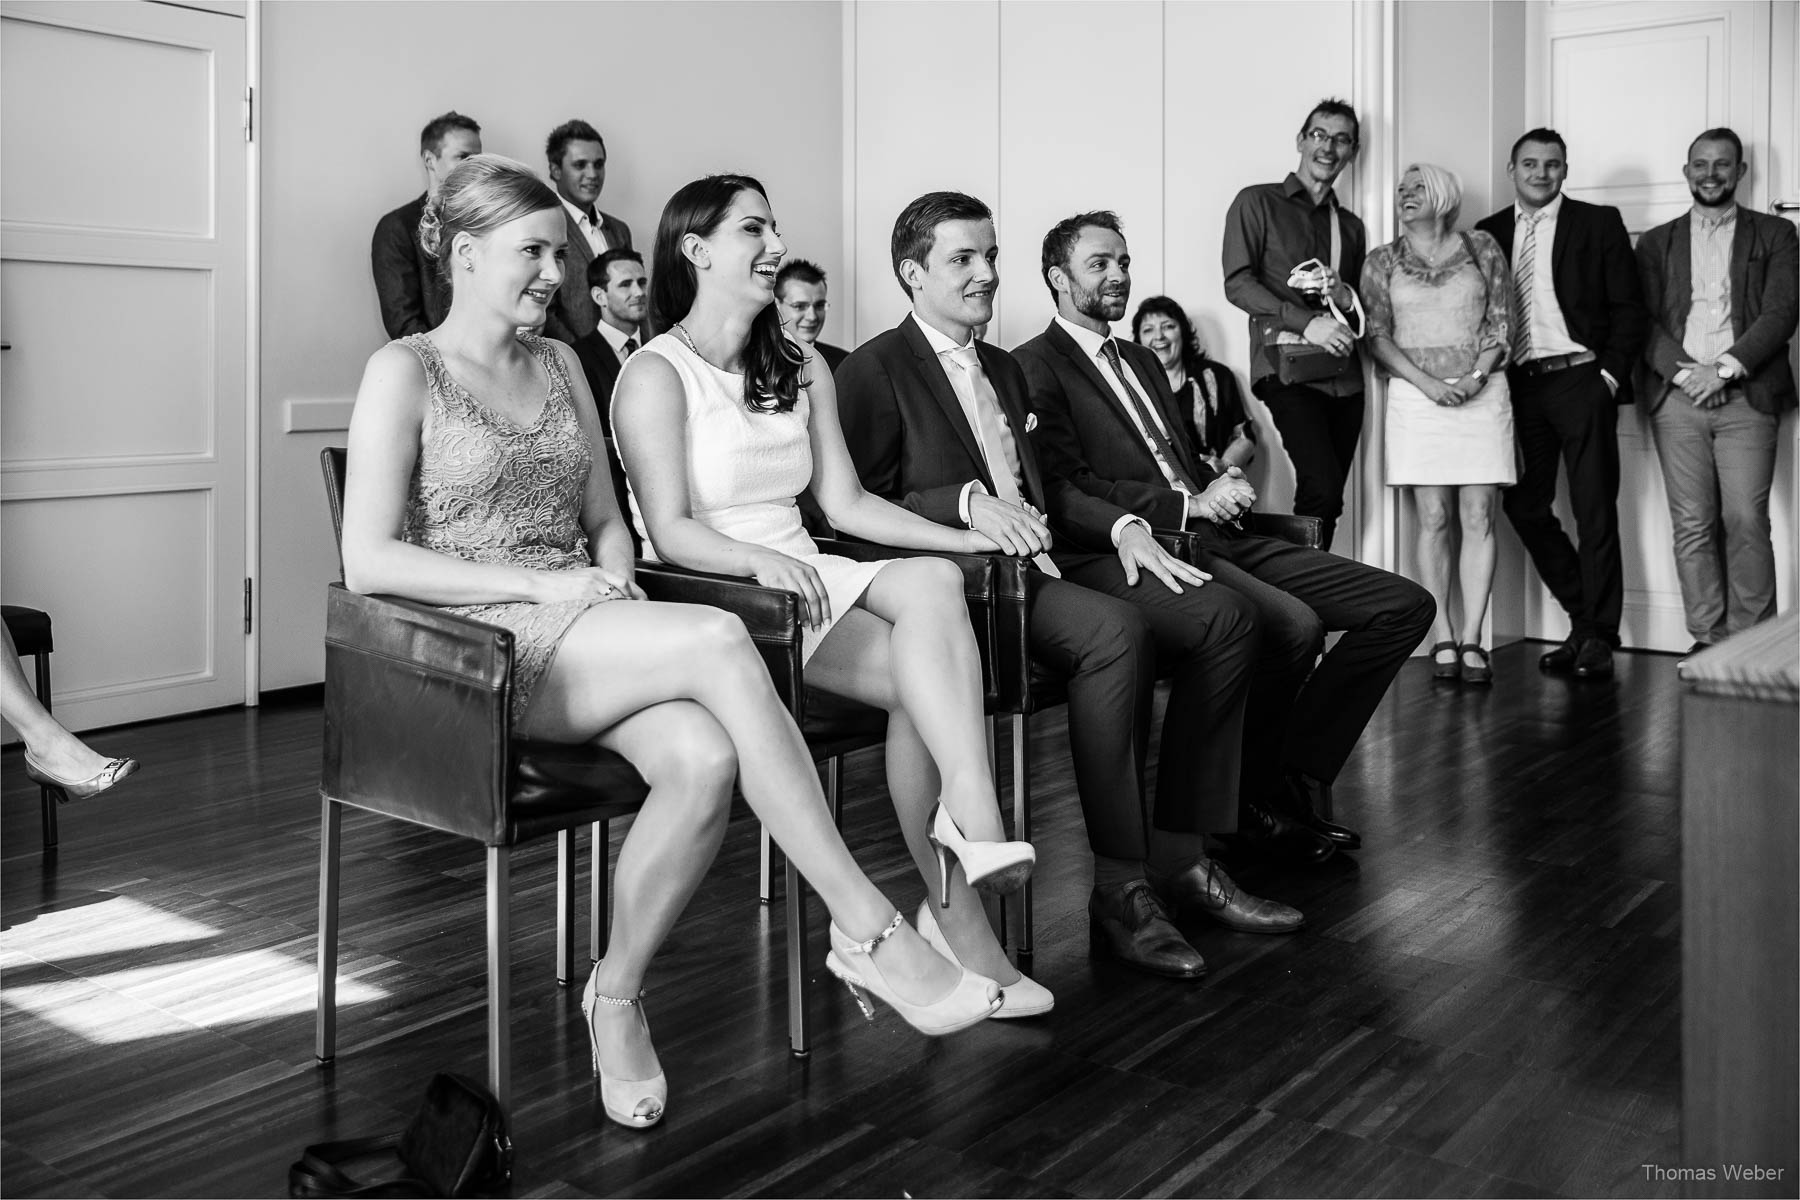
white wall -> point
(679, 90)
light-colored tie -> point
(988, 434)
(1524, 267)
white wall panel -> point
(926, 94)
(1073, 139)
(151, 172)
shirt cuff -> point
(1738, 367)
(962, 501)
(1611, 383)
(1682, 376)
(1187, 500)
(1120, 525)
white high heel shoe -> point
(634, 1103)
(1026, 998)
(997, 867)
(973, 999)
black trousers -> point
(1206, 639)
(1570, 416)
(1302, 717)
(1320, 432)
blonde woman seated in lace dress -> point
(1439, 309)
(472, 486)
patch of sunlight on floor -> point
(119, 925)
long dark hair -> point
(773, 363)
(1164, 306)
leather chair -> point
(418, 728)
(1025, 689)
(31, 635)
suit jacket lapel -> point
(939, 385)
(1743, 232)
(1678, 273)
(1090, 370)
(1018, 418)
(1172, 422)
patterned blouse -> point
(1442, 317)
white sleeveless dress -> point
(744, 470)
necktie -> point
(1524, 267)
(1159, 444)
(631, 348)
(988, 434)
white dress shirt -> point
(1708, 334)
(1549, 330)
(591, 229)
(1092, 344)
(616, 338)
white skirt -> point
(1433, 445)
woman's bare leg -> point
(54, 748)
(1434, 507)
(625, 656)
(1475, 570)
(688, 761)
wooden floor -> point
(1485, 1001)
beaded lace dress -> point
(490, 491)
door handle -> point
(1782, 206)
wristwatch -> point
(1479, 376)
(1727, 371)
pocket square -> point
(1030, 421)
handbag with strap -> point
(1296, 360)
(457, 1145)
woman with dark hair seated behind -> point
(722, 422)
(1211, 404)
(472, 486)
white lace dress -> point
(744, 470)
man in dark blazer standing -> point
(413, 294)
(621, 292)
(1720, 283)
(577, 155)
(1578, 328)
(1110, 430)
(938, 421)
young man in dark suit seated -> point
(1110, 434)
(800, 293)
(621, 294)
(938, 421)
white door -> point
(122, 392)
(1629, 85)
(1779, 177)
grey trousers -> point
(1717, 465)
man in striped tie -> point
(1579, 324)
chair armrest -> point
(417, 713)
(978, 591)
(1179, 543)
(1289, 527)
(770, 614)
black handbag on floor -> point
(457, 1145)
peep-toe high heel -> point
(996, 867)
(1024, 998)
(634, 1103)
(974, 998)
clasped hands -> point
(1225, 500)
(1451, 393)
(1703, 385)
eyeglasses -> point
(1319, 137)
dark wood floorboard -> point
(1485, 1001)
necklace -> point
(1437, 257)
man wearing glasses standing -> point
(1290, 251)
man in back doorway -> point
(413, 295)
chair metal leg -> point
(993, 728)
(799, 1037)
(41, 667)
(599, 914)
(765, 875)
(331, 828)
(565, 906)
(834, 789)
(1021, 772)
(499, 967)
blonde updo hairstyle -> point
(480, 194)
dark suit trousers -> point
(1206, 639)
(1102, 648)
(1319, 431)
(1570, 415)
(1301, 717)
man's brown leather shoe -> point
(1203, 886)
(1129, 922)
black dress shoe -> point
(1127, 921)
(1204, 887)
(1307, 802)
(1265, 833)
(1562, 659)
(1595, 661)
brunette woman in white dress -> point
(472, 486)
(722, 422)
